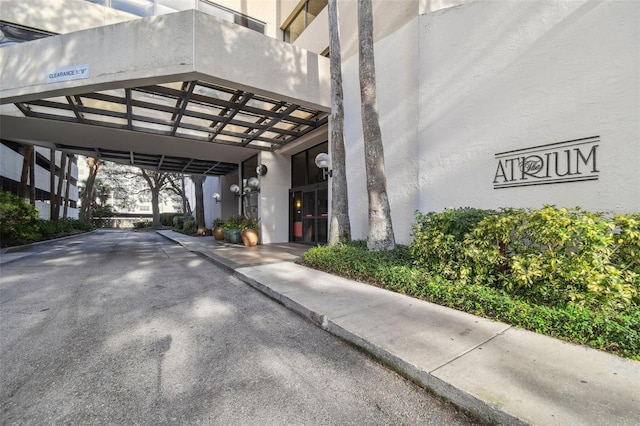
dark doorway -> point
(309, 213)
(309, 201)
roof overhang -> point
(184, 87)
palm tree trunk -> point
(340, 227)
(380, 235)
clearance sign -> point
(560, 162)
(76, 72)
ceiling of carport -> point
(193, 110)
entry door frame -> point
(299, 216)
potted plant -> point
(218, 229)
(250, 235)
(232, 230)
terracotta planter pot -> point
(250, 237)
(218, 233)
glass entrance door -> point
(309, 213)
(309, 208)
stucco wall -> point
(274, 197)
(497, 76)
(486, 77)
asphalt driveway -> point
(117, 327)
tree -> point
(61, 177)
(27, 161)
(380, 235)
(129, 183)
(53, 211)
(340, 226)
(65, 213)
(95, 198)
(157, 182)
(88, 193)
(198, 181)
(180, 192)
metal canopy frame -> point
(193, 109)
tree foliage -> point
(131, 184)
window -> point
(231, 16)
(13, 34)
(301, 18)
(144, 8)
(303, 167)
(249, 197)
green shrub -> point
(178, 222)
(142, 224)
(189, 226)
(550, 255)
(52, 229)
(168, 219)
(18, 220)
(19, 223)
(556, 255)
(600, 327)
(234, 222)
(439, 238)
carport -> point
(183, 92)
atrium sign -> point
(560, 162)
(76, 72)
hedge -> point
(565, 273)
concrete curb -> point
(13, 249)
(468, 403)
(486, 368)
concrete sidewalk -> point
(501, 374)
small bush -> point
(551, 256)
(234, 222)
(189, 226)
(439, 238)
(600, 327)
(142, 224)
(19, 223)
(18, 220)
(168, 219)
(178, 222)
(50, 229)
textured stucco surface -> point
(397, 79)
(487, 77)
(500, 76)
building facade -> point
(482, 103)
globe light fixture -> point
(322, 162)
(261, 170)
(254, 183)
(217, 197)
